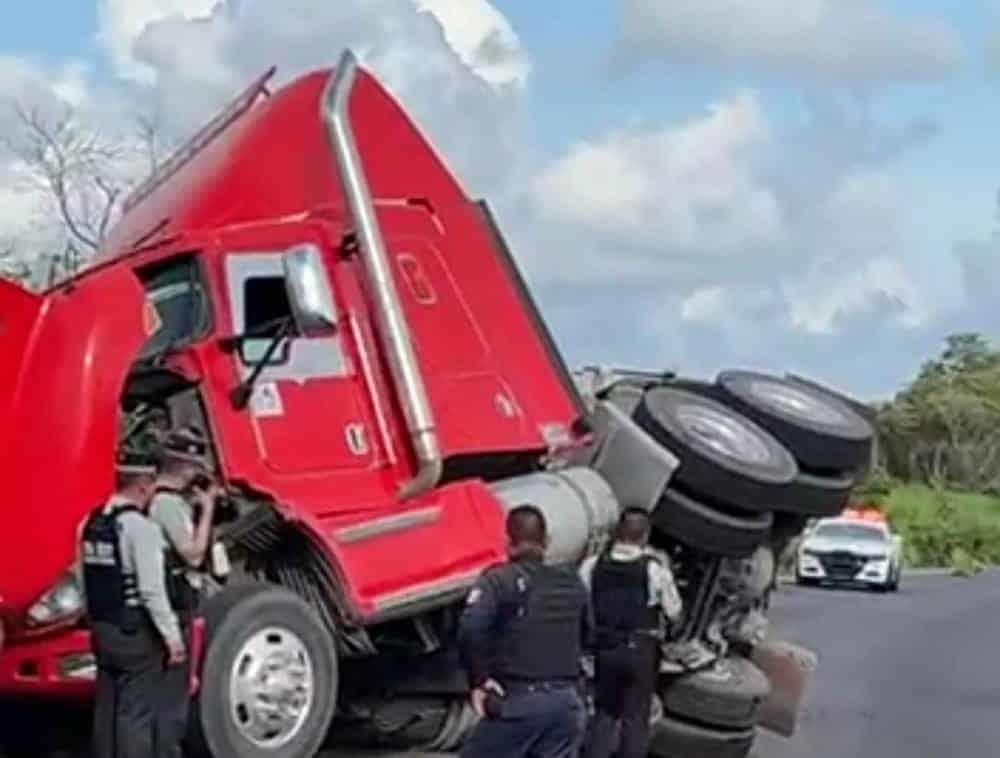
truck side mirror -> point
(308, 291)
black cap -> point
(186, 444)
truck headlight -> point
(61, 602)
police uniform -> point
(524, 626)
(132, 623)
(631, 590)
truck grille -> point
(841, 564)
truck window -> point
(176, 290)
(256, 284)
(265, 305)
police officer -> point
(183, 506)
(135, 631)
(631, 590)
(520, 639)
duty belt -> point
(544, 685)
(619, 637)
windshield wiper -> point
(241, 394)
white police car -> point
(846, 550)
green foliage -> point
(963, 564)
(938, 468)
(944, 428)
(946, 528)
(877, 487)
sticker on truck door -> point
(266, 401)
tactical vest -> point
(112, 595)
(620, 594)
(540, 638)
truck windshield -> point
(176, 290)
(850, 532)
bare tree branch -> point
(82, 174)
(148, 131)
(55, 151)
(12, 265)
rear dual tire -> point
(728, 533)
(673, 738)
(711, 713)
(823, 432)
(751, 442)
(722, 453)
(726, 696)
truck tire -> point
(250, 629)
(724, 456)
(813, 495)
(823, 433)
(728, 695)
(672, 738)
(809, 494)
(729, 533)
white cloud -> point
(723, 237)
(199, 63)
(20, 210)
(673, 191)
(483, 38)
(121, 22)
(71, 84)
(726, 305)
(457, 67)
(881, 287)
(848, 40)
(477, 32)
(724, 218)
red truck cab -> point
(307, 281)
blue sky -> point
(790, 202)
(28, 30)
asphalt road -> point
(910, 675)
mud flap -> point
(790, 669)
(196, 653)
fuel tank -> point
(579, 506)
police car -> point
(858, 549)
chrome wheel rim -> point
(795, 402)
(723, 433)
(271, 687)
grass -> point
(944, 528)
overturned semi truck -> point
(307, 282)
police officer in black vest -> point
(631, 592)
(521, 639)
(135, 631)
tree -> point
(81, 176)
(945, 426)
(12, 265)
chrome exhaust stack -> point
(391, 320)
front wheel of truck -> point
(270, 677)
